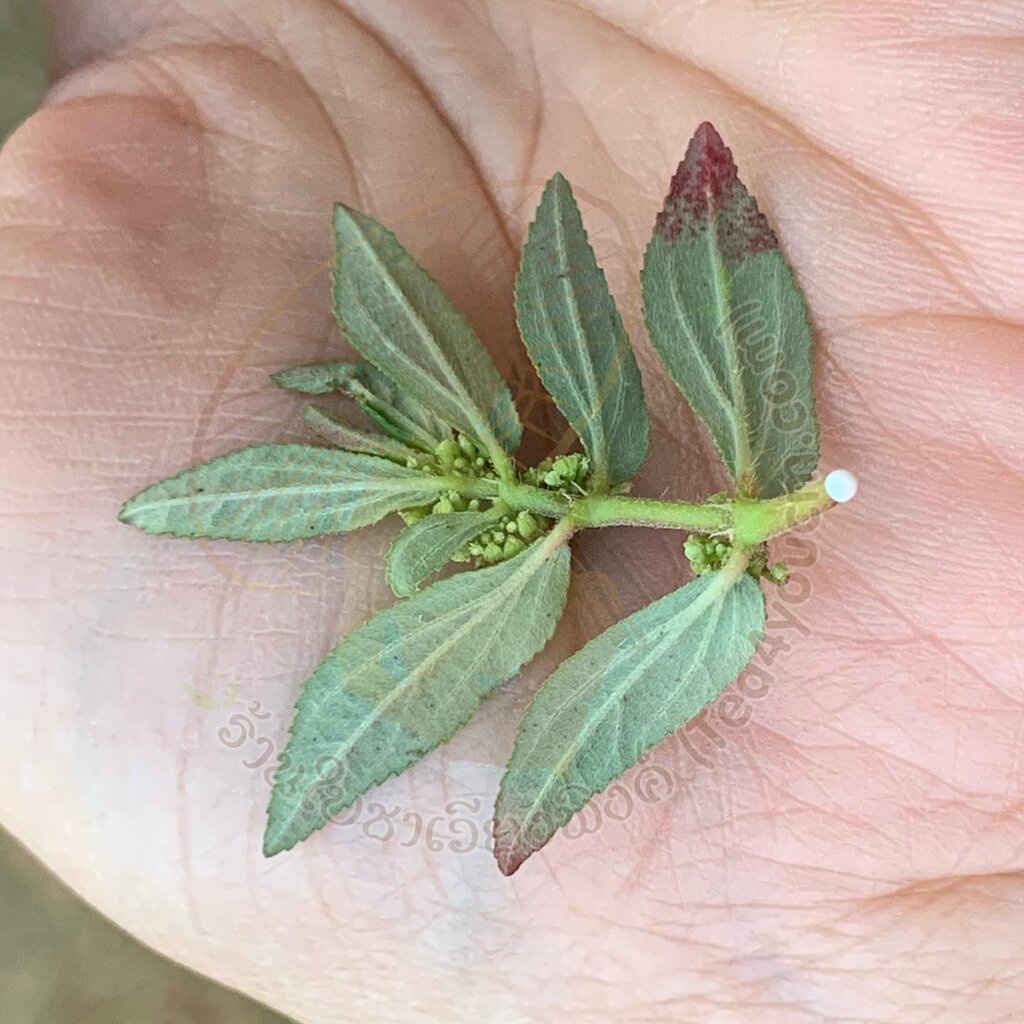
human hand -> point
(839, 838)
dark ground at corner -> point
(62, 963)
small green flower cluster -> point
(511, 531)
(460, 456)
(514, 530)
(759, 567)
(705, 554)
(509, 535)
(562, 473)
(708, 554)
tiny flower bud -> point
(564, 467)
(512, 546)
(527, 525)
(447, 452)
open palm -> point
(841, 836)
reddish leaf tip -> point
(707, 140)
(508, 854)
(509, 863)
(706, 185)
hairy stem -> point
(756, 521)
(503, 465)
(746, 521)
(600, 510)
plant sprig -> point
(729, 322)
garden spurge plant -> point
(729, 322)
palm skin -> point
(849, 848)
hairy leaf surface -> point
(404, 682)
(395, 314)
(729, 321)
(398, 414)
(619, 695)
(277, 493)
(316, 378)
(576, 340)
(341, 435)
(426, 546)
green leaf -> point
(399, 415)
(278, 493)
(394, 408)
(576, 340)
(428, 545)
(341, 435)
(729, 321)
(316, 378)
(395, 314)
(406, 680)
(619, 695)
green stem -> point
(599, 510)
(756, 521)
(535, 499)
(502, 464)
(521, 497)
(747, 522)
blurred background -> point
(60, 961)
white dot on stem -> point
(840, 485)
